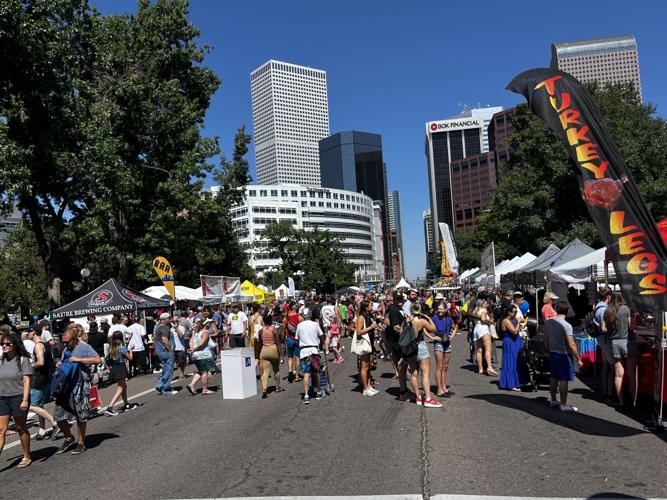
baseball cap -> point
(550, 295)
(165, 315)
(36, 327)
(305, 312)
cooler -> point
(238, 373)
(586, 347)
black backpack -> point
(592, 328)
(408, 342)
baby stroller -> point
(325, 382)
(536, 358)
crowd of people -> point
(395, 327)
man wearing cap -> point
(308, 332)
(548, 310)
(164, 348)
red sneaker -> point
(432, 403)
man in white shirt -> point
(179, 346)
(407, 305)
(329, 315)
(308, 333)
(237, 328)
(119, 326)
(136, 345)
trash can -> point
(238, 373)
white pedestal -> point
(238, 373)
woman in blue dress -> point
(512, 344)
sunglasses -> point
(6, 344)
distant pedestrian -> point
(271, 354)
(309, 334)
(202, 356)
(445, 331)
(291, 321)
(237, 327)
(482, 336)
(15, 375)
(616, 325)
(512, 344)
(164, 348)
(139, 360)
(563, 354)
(548, 310)
(119, 355)
(42, 368)
(604, 342)
(180, 354)
(423, 327)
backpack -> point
(591, 327)
(64, 379)
(408, 342)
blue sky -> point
(392, 66)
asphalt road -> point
(483, 442)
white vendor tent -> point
(182, 293)
(403, 284)
(588, 267)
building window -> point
(295, 194)
(274, 192)
(283, 193)
(262, 192)
(252, 193)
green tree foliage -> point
(538, 201)
(22, 276)
(317, 253)
(103, 142)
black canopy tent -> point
(524, 274)
(534, 274)
(109, 298)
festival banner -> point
(488, 260)
(219, 286)
(609, 192)
(448, 250)
(166, 274)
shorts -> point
(80, 413)
(292, 348)
(39, 396)
(139, 359)
(623, 348)
(204, 365)
(180, 358)
(605, 349)
(236, 341)
(10, 406)
(334, 341)
(480, 331)
(422, 351)
(445, 346)
(310, 364)
(562, 367)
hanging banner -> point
(166, 274)
(488, 261)
(219, 286)
(449, 248)
(292, 288)
(445, 268)
(611, 195)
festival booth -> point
(248, 289)
(111, 297)
(465, 275)
(402, 284)
(183, 293)
(510, 280)
(282, 292)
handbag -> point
(361, 344)
(493, 332)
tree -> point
(101, 131)
(317, 253)
(22, 276)
(538, 201)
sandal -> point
(206, 393)
(280, 389)
(24, 463)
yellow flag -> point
(166, 274)
(429, 301)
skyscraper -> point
(290, 114)
(485, 114)
(353, 161)
(605, 60)
(396, 230)
(447, 141)
(8, 224)
(429, 244)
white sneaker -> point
(568, 408)
(170, 393)
(370, 392)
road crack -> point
(426, 486)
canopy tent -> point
(468, 273)
(534, 274)
(247, 288)
(282, 292)
(402, 284)
(525, 273)
(506, 267)
(182, 293)
(109, 298)
(589, 267)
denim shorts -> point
(39, 396)
(310, 364)
(422, 351)
(445, 346)
(10, 406)
(292, 348)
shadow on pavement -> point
(579, 422)
(614, 495)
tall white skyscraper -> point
(485, 114)
(290, 115)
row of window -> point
(307, 194)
